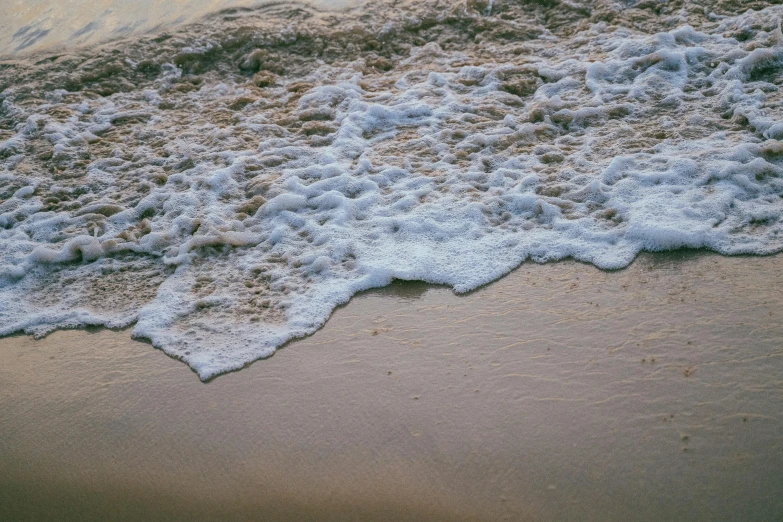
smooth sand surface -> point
(560, 392)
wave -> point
(224, 186)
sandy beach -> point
(389, 260)
(558, 392)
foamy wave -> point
(226, 199)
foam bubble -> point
(226, 214)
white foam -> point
(432, 177)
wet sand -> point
(558, 392)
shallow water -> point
(225, 185)
(35, 25)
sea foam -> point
(225, 215)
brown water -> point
(560, 392)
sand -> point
(559, 392)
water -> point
(34, 25)
(226, 184)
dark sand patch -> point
(559, 392)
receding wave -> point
(224, 186)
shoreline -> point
(399, 285)
(558, 391)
